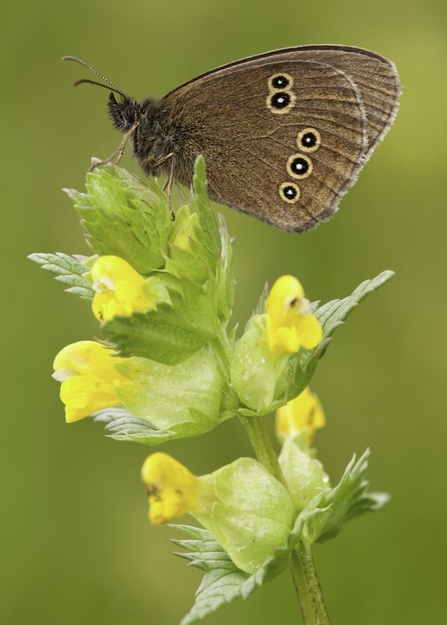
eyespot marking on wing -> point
(289, 192)
(299, 166)
(309, 140)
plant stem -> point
(308, 587)
(262, 446)
(302, 565)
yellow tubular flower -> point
(302, 413)
(118, 288)
(288, 325)
(86, 370)
(172, 489)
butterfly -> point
(284, 133)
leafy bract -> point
(67, 269)
(173, 332)
(222, 581)
(326, 514)
(124, 217)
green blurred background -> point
(77, 546)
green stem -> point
(308, 587)
(302, 565)
(262, 446)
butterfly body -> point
(283, 134)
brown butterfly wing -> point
(251, 146)
(375, 76)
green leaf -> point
(125, 217)
(172, 333)
(67, 269)
(304, 475)
(158, 403)
(209, 249)
(253, 513)
(325, 515)
(222, 582)
(331, 316)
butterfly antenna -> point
(92, 82)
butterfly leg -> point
(169, 182)
(119, 152)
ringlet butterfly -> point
(284, 134)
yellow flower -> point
(302, 413)
(172, 489)
(288, 325)
(118, 288)
(86, 370)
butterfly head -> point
(124, 114)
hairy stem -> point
(262, 446)
(308, 587)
